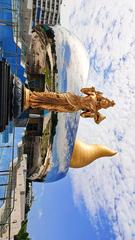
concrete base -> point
(26, 98)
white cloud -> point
(107, 31)
(40, 214)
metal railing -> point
(7, 189)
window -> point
(48, 4)
(32, 127)
(42, 15)
(57, 7)
(39, 2)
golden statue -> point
(83, 154)
(69, 102)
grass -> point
(45, 141)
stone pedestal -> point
(6, 86)
(11, 94)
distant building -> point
(29, 13)
(32, 149)
(35, 123)
(46, 11)
(18, 200)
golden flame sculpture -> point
(84, 154)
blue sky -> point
(55, 216)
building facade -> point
(18, 205)
(46, 12)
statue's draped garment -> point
(61, 102)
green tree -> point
(23, 235)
